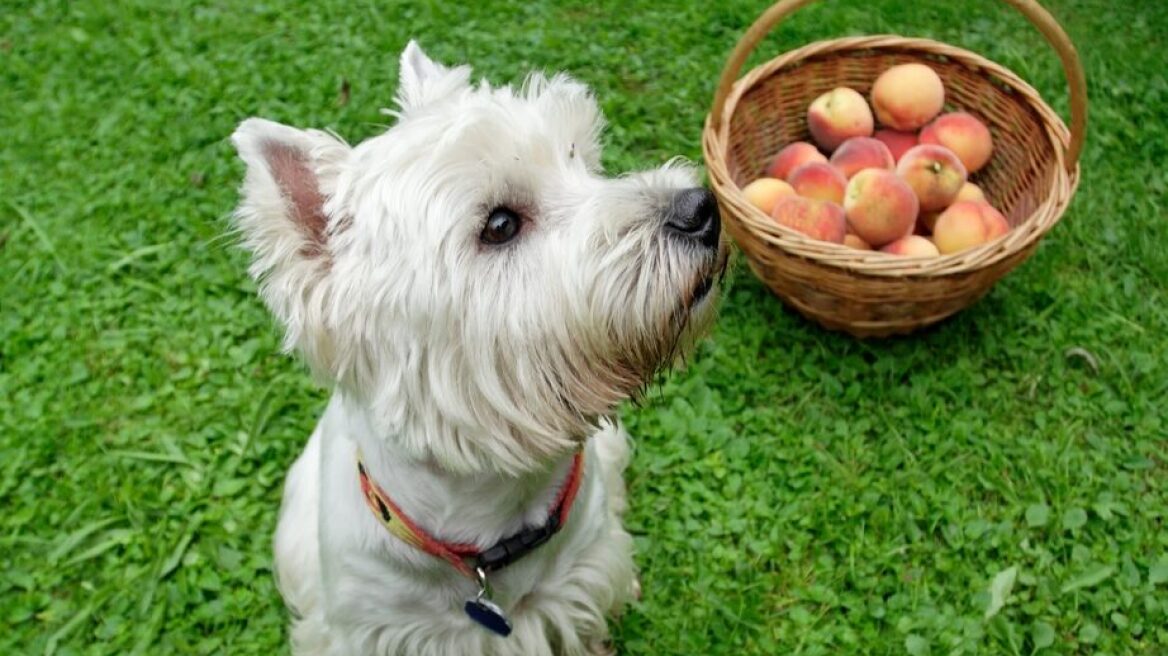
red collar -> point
(501, 554)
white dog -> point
(482, 299)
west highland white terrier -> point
(482, 299)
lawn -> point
(794, 491)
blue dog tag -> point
(483, 612)
(488, 615)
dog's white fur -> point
(466, 374)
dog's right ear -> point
(286, 220)
(422, 80)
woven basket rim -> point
(761, 228)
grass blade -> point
(40, 233)
(70, 542)
(152, 456)
(115, 538)
(133, 255)
(172, 561)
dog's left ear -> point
(423, 81)
(286, 222)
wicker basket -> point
(1031, 178)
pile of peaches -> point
(902, 189)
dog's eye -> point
(502, 226)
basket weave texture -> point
(1031, 177)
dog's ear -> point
(285, 221)
(423, 81)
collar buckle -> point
(511, 549)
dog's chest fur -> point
(353, 583)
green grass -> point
(794, 491)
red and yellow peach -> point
(907, 96)
(837, 116)
(859, 153)
(962, 133)
(765, 192)
(967, 224)
(912, 246)
(969, 191)
(791, 157)
(818, 219)
(879, 206)
(819, 181)
(934, 173)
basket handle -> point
(1034, 12)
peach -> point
(907, 96)
(996, 223)
(879, 206)
(962, 133)
(969, 191)
(898, 142)
(967, 224)
(934, 173)
(912, 246)
(764, 192)
(854, 241)
(819, 181)
(791, 157)
(818, 219)
(859, 153)
(837, 116)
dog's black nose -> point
(693, 214)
